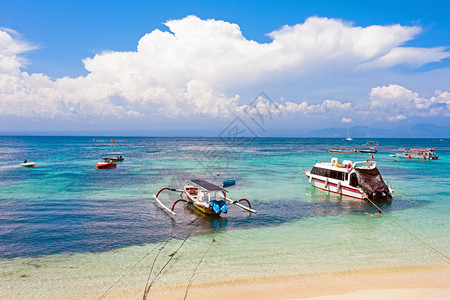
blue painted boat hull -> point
(229, 182)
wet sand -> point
(400, 283)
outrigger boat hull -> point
(198, 193)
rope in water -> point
(198, 265)
(117, 281)
(147, 289)
(408, 199)
(415, 236)
(153, 264)
(195, 270)
(425, 206)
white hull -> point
(335, 186)
(28, 165)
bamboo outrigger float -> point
(202, 195)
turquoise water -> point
(65, 219)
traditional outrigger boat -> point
(360, 180)
(115, 157)
(202, 195)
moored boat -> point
(360, 180)
(28, 164)
(424, 154)
(204, 196)
(348, 138)
(371, 150)
(343, 150)
(107, 165)
(229, 182)
(114, 157)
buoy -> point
(218, 174)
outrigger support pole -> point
(236, 202)
(162, 205)
(170, 189)
(179, 200)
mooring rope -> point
(409, 199)
(424, 206)
(147, 289)
(153, 264)
(415, 236)
(109, 289)
(198, 265)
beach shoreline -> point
(396, 283)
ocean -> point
(66, 226)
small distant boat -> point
(360, 180)
(229, 182)
(28, 164)
(371, 143)
(203, 196)
(115, 157)
(348, 138)
(343, 150)
(106, 165)
(368, 150)
(424, 154)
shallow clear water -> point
(65, 215)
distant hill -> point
(425, 130)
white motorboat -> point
(360, 180)
(424, 154)
(28, 164)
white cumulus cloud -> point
(346, 120)
(192, 67)
(398, 102)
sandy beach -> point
(400, 283)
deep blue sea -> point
(65, 206)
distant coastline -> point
(425, 130)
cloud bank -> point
(191, 68)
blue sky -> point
(335, 63)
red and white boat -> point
(109, 165)
(360, 180)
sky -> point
(194, 68)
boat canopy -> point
(211, 187)
(371, 182)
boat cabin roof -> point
(419, 150)
(208, 186)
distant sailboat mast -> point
(348, 134)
